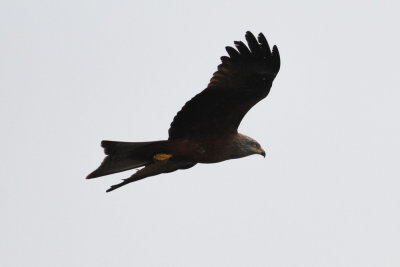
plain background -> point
(75, 72)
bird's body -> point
(205, 130)
(212, 150)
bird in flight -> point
(205, 129)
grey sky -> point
(75, 72)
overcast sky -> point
(73, 73)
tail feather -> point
(123, 156)
(115, 147)
(116, 163)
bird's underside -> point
(205, 130)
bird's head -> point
(251, 146)
(257, 149)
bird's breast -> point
(204, 150)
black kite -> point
(205, 130)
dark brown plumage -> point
(205, 129)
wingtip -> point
(109, 190)
(225, 59)
(276, 58)
(112, 188)
(275, 49)
(116, 186)
(248, 34)
(232, 52)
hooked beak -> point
(260, 151)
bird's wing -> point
(155, 168)
(242, 80)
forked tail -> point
(123, 156)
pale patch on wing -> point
(162, 156)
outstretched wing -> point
(242, 80)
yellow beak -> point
(260, 151)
